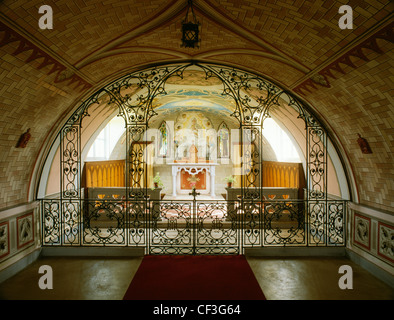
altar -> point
(195, 155)
(185, 175)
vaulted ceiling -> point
(94, 41)
(345, 75)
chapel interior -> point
(116, 130)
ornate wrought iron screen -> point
(191, 227)
(195, 227)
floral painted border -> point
(25, 229)
(386, 241)
(4, 239)
(362, 231)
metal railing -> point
(193, 226)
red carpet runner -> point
(194, 278)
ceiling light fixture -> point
(190, 29)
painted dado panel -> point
(4, 239)
(386, 241)
(19, 233)
(372, 232)
(362, 231)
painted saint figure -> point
(163, 140)
(223, 141)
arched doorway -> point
(252, 213)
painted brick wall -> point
(29, 99)
(362, 101)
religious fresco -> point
(177, 100)
(223, 141)
(194, 129)
(163, 140)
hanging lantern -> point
(190, 29)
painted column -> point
(212, 174)
(174, 173)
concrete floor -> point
(104, 278)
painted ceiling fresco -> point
(195, 99)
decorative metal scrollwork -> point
(71, 222)
(336, 222)
(51, 219)
(104, 223)
(172, 231)
(317, 163)
(250, 211)
(284, 223)
(194, 227)
(137, 221)
(216, 231)
(70, 162)
(317, 222)
(136, 161)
